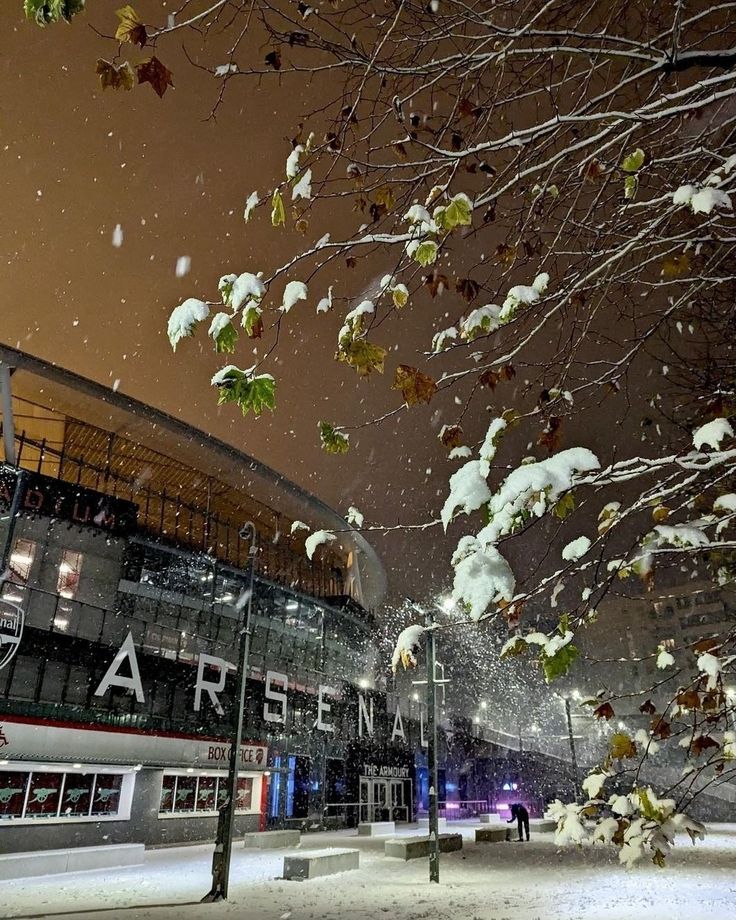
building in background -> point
(119, 621)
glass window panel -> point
(43, 796)
(12, 793)
(244, 794)
(70, 570)
(167, 794)
(21, 559)
(186, 788)
(77, 794)
(106, 799)
(221, 792)
(206, 791)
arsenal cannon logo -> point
(11, 630)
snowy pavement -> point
(501, 881)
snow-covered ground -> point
(502, 881)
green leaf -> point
(278, 214)
(426, 253)
(252, 322)
(630, 185)
(565, 506)
(458, 212)
(225, 339)
(249, 393)
(400, 296)
(558, 664)
(333, 441)
(634, 161)
(511, 650)
(44, 12)
(647, 808)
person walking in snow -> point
(521, 816)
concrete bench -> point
(416, 847)
(314, 863)
(542, 825)
(75, 859)
(424, 823)
(272, 840)
(490, 818)
(376, 828)
(491, 834)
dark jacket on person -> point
(521, 816)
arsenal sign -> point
(11, 630)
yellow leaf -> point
(415, 386)
(278, 214)
(117, 77)
(660, 514)
(131, 28)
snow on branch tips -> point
(407, 647)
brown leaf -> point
(491, 378)
(604, 711)
(511, 612)
(456, 141)
(466, 108)
(255, 331)
(273, 59)
(298, 38)
(648, 708)
(415, 386)
(131, 28)
(675, 266)
(550, 436)
(437, 283)
(401, 151)
(351, 262)
(706, 645)
(661, 729)
(451, 436)
(688, 699)
(117, 77)
(505, 254)
(703, 743)
(622, 746)
(157, 74)
(594, 171)
(467, 288)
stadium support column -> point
(225, 824)
(7, 408)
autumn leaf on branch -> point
(273, 59)
(363, 355)
(621, 746)
(157, 74)
(332, 440)
(119, 76)
(604, 711)
(131, 28)
(451, 436)
(415, 386)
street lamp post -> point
(576, 776)
(434, 843)
(226, 820)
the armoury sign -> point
(211, 676)
(67, 501)
(11, 630)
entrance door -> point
(374, 800)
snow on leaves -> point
(251, 393)
(332, 440)
(407, 647)
(184, 318)
(318, 538)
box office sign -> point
(26, 739)
(67, 501)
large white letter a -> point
(113, 679)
